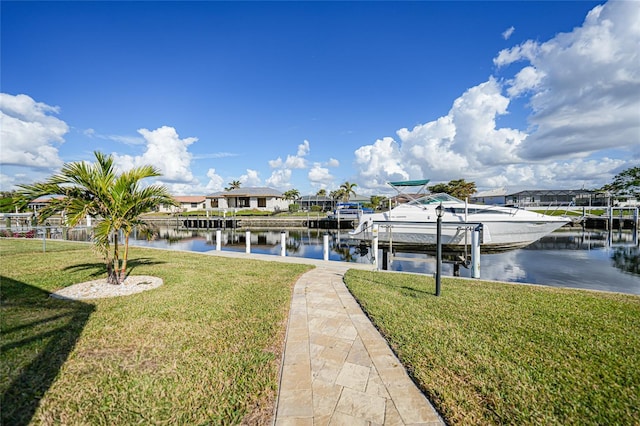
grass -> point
(490, 353)
(204, 348)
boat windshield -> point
(436, 199)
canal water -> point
(587, 259)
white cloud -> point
(508, 32)
(303, 149)
(526, 50)
(586, 85)
(527, 79)
(216, 182)
(166, 151)
(251, 178)
(583, 89)
(295, 162)
(281, 176)
(125, 139)
(29, 132)
(379, 163)
(274, 164)
(280, 179)
(333, 163)
(319, 176)
(7, 182)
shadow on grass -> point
(98, 269)
(415, 292)
(38, 333)
(407, 290)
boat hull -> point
(493, 236)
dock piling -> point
(475, 253)
(283, 244)
(325, 246)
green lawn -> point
(204, 348)
(489, 353)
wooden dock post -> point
(248, 242)
(218, 239)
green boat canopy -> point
(410, 183)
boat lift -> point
(471, 257)
(475, 229)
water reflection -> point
(595, 260)
(627, 259)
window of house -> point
(243, 202)
(262, 202)
(194, 205)
(214, 203)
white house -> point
(490, 197)
(255, 198)
(186, 203)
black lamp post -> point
(439, 213)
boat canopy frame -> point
(422, 183)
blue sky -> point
(307, 95)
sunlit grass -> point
(490, 353)
(204, 348)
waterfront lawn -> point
(204, 348)
(492, 353)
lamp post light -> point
(439, 213)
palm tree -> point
(321, 193)
(233, 185)
(292, 194)
(376, 201)
(347, 189)
(96, 190)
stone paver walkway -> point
(338, 370)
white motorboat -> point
(349, 211)
(415, 224)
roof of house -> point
(551, 192)
(497, 192)
(46, 199)
(189, 198)
(314, 198)
(256, 191)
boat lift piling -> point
(325, 246)
(283, 243)
(374, 247)
(475, 252)
(475, 229)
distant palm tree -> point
(321, 193)
(292, 194)
(233, 185)
(347, 189)
(96, 190)
(336, 194)
(376, 201)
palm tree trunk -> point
(114, 277)
(123, 271)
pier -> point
(614, 218)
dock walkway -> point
(337, 369)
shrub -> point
(294, 208)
